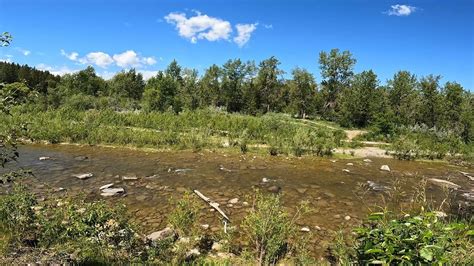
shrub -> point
(418, 239)
(269, 230)
(184, 216)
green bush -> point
(184, 216)
(408, 240)
(269, 230)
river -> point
(330, 191)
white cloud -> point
(200, 27)
(147, 74)
(401, 10)
(126, 59)
(56, 70)
(268, 26)
(5, 60)
(244, 32)
(100, 59)
(72, 56)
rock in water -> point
(346, 170)
(444, 183)
(367, 160)
(84, 176)
(81, 158)
(106, 186)
(108, 192)
(385, 168)
(301, 190)
(160, 235)
(44, 158)
(274, 189)
(265, 180)
(349, 164)
(129, 178)
(234, 201)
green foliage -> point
(303, 90)
(423, 238)
(269, 230)
(128, 84)
(17, 216)
(184, 216)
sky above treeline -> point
(63, 36)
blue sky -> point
(425, 37)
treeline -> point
(351, 99)
(36, 79)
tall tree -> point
(233, 74)
(430, 105)
(403, 97)
(336, 71)
(128, 84)
(302, 88)
(210, 87)
(189, 95)
(161, 90)
(268, 82)
(85, 81)
(454, 105)
(359, 104)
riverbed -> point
(331, 186)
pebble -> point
(44, 158)
(129, 178)
(305, 229)
(367, 160)
(347, 218)
(350, 164)
(301, 190)
(385, 168)
(234, 201)
(106, 186)
(84, 176)
(346, 170)
(274, 189)
(205, 226)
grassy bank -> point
(201, 129)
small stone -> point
(205, 226)
(301, 190)
(317, 228)
(305, 229)
(347, 218)
(216, 246)
(108, 192)
(160, 235)
(346, 170)
(245, 203)
(333, 161)
(230, 205)
(84, 176)
(367, 160)
(274, 189)
(234, 201)
(337, 216)
(44, 158)
(106, 186)
(59, 189)
(129, 178)
(193, 252)
(349, 164)
(385, 168)
(81, 158)
(265, 180)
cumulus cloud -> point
(128, 58)
(401, 10)
(244, 32)
(200, 27)
(100, 59)
(56, 70)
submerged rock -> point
(346, 170)
(84, 176)
(44, 158)
(367, 160)
(106, 186)
(444, 183)
(81, 158)
(385, 168)
(301, 190)
(265, 180)
(129, 178)
(274, 189)
(108, 192)
(349, 164)
(377, 187)
(233, 201)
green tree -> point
(233, 74)
(302, 90)
(85, 82)
(403, 97)
(336, 71)
(430, 104)
(359, 103)
(210, 88)
(269, 84)
(189, 94)
(161, 91)
(129, 84)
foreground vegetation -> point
(68, 229)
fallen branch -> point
(213, 204)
